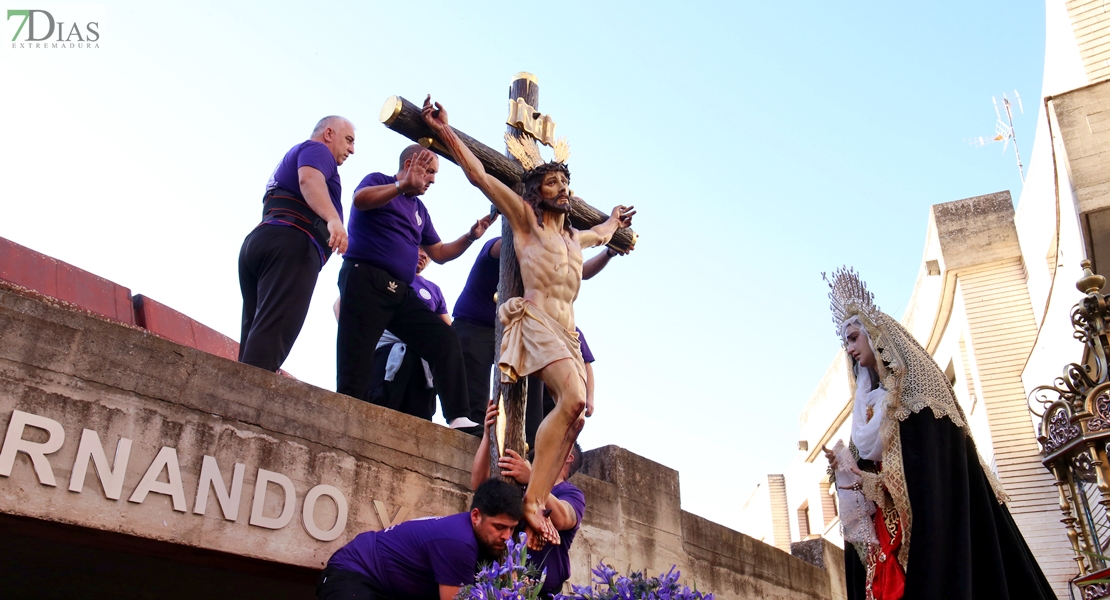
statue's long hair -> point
(533, 181)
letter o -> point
(310, 507)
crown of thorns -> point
(545, 168)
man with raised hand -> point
(539, 334)
(389, 224)
(302, 223)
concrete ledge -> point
(72, 383)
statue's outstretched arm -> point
(505, 199)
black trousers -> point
(278, 267)
(373, 301)
(408, 392)
(477, 348)
(340, 584)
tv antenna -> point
(1004, 130)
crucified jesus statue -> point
(539, 336)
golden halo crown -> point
(848, 296)
(524, 149)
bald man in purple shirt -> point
(302, 223)
(388, 223)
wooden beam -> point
(404, 117)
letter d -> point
(31, 26)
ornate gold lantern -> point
(1074, 434)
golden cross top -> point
(529, 120)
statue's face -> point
(555, 192)
(859, 346)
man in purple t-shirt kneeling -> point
(566, 502)
(425, 558)
(302, 223)
(388, 224)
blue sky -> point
(762, 143)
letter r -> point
(14, 444)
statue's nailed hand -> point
(434, 115)
(623, 215)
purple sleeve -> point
(587, 356)
(577, 501)
(440, 307)
(372, 180)
(428, 236)
(318, 157)
(452, 562)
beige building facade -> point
(992, 302)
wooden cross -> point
(404, 117)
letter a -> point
(14, 443)
(166, 460)
(111, 480)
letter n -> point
(210, 477)
(165, 461)
(14, 443)
(111, 480)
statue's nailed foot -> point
(539, 527)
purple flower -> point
(609, 585)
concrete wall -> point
(147, 419)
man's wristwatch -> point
(470, 239)
(611, 252)
(398, 184)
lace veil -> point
(913, 381)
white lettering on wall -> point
(14, 443)
(289, 501)
(310, 508)
(383, 514)
(210, 477)
(112, 476)
(111, 479)
(165, 461)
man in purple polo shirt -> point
(302, 223)
(425, 558)
(388, 224)
(567, 503)
(402, 379)
(474, 313)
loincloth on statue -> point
(532, 340)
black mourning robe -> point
(963, 543)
